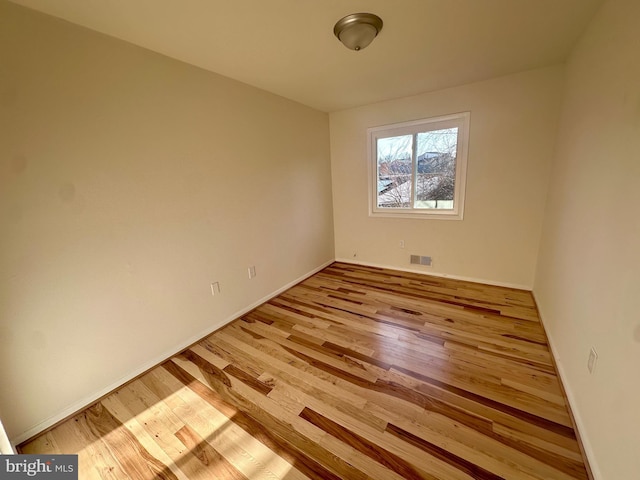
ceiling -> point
(287, 47)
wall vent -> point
(420, 260)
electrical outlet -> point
(593, 359)
(401, 243)
(215, 288)
(252, 271)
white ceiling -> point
(287, 46)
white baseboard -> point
(438, 274)
(88, 400)
(575, 413)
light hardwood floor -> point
(355, 373)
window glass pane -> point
(436, 169)
(417, 168)
(394, 171)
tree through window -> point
(419, 167)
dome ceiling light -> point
(358, 30)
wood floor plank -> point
(146, 435)
(121, 445)
(91, 459)
(246, 453)
(355, 373)
(274, 418)
(214, 464)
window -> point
(418, 169)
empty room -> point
(320, 240)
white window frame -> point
(459, 120)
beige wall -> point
(588, 280)
(128, 183)
(512, 134)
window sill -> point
(416, 215)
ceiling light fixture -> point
(358, 30)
